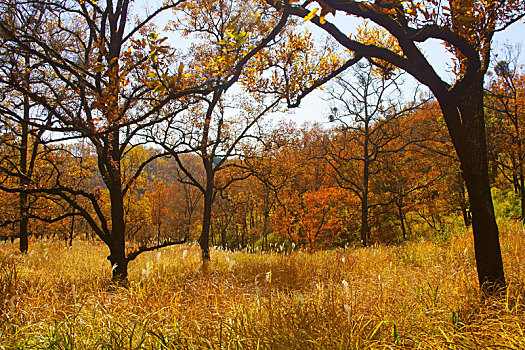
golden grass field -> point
(420, 295)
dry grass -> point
(420, 295)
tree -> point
(505, 110)
(214, 132)
(467, 28)
(308, 206)
(229, 34)
(106, 81)
(89, 88)
(16, 110)
(367, 110)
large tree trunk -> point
(364, 220)
(468, 136)
(486, 236)
(204, 239)
(522, 190)
(24, 180)
(399, 205)
(117, 242)
(117, 248)
(365, 229)
(24, 220)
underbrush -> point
(420, 295)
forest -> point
(160, 190)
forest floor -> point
(419, 295)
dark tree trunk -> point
(468, 137)
(24, 221)
(243, 234)
(119, 263)
(223, 238)
(113, 180)
(204, 239)
(522, 191)
(402, 220)
(265, 229)
(117, 247)
(364, 221)
(486, 236)
(365, 229)
(72, 229)
(24, 180)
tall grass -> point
(420, 295)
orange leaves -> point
(314, 219)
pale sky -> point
(313, 108)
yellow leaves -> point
(377, 36)
(311, 15)
(382, 38)
(238, 38)
(290, 67)
(325, 10)
(152, 74)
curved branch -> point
(143, 249)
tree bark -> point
(72, 229)
(24, 179)
(204, 239)
(522, 190)
(402, 219)
(117, 247)
(364, 221)
(468, 137)
(24, 221)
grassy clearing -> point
(420, 295)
